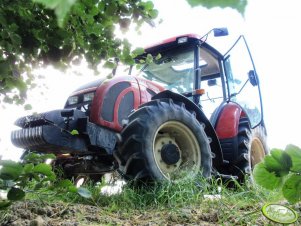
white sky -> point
(270, 27)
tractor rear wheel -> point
(252, 148)
(164, 141)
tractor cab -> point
(188, 65)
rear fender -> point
(228, 121)
(201, 117)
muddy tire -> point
(164, 141)
(252, 147)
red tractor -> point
(191, 110)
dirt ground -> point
(33, 213)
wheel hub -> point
(170, 154)
(257, 152)
(176, 150)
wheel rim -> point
(182, 158)
(257, 152)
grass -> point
(176, 203)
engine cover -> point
(116, 98)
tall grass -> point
(227, 204)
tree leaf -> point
(48, 156)
(72, 189)
(28, 168)
(10, 170)
(158, 57)
(295, 153)
(65, 183)
(278, 162)
(62, 10)
(292, 188)
(239, 5)
(137, 52)
(51, 4)
(27, 107)
(38, 186)
(4, 204)
(149, 5)
(60, 7)
(37, 39)
(68, 185)
(32, 157)
(149, 59)
(109, 65)
(154, 13)
(74, 132)
(44, 169)
(84, 192)
(265, 178)
(15, 194)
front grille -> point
(28, 137)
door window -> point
(242, 81)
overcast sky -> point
(270, 27)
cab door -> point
(242, 81)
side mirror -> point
(218, 32)
(253, 78)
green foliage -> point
(32, 173)
(295, 154)
(188, 202)
(10, 170)
(292, 188)
(60, 7)
(32, 36)
(281, 170)
(15, 194)
(74, 132)
(239, 5)
(62, 32)
(266, 178)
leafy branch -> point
(62, 33)
(17, 177)
(281, 170)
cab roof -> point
(192, 39)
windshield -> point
(174, 70)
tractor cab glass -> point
(242, 80)
(174, 70)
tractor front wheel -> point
(164, 141)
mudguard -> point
(228, 120)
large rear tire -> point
(164, 141)
(252, 148)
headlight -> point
(88, 97)
(182, 40)
(72, 100)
